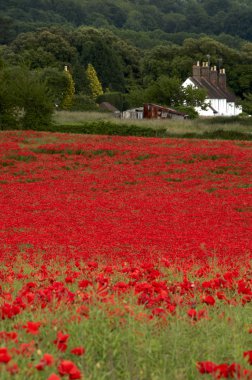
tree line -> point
(232, 17)
(126, 75)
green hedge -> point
(228, 120)
(109, 128)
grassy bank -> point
(106, 123)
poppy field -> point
(124, 258)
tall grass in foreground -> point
(123, 339)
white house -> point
(220, 101)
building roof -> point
(165, 109)
(213, 92)
(108, 107)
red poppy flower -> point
(235, 370)
(192, 313)
(78, 351)
(12, 368)
(32, 327)
(209, 300)
(222, 371)
(206, 367)
(248, 356)
(67, 367)
(61, 341)
(53, 376)
(46, 360)
(4, 355)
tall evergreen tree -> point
(95, 86)
(68, 99)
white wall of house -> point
(222, 107)
(233, 110)
(207, 112)
(187, 83)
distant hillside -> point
(141, 50)
(212, 17)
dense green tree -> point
(213, 7)
(7, 31)
(167, 91)
(240, 79)
(157, 62)
(114, 60)
(247, 103)
(194, 97)
(126, 60)
(58, 83)
(67, 101)
(238, 22)
(43, 48)
(25, 101)
(95, 87)
(199, 16)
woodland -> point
(140, 50)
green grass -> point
(181, 127)
(125, 348)
(120, 339)
(106, 124)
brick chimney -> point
(222, 79)
(205, 70)
(197, 70)
(214, 76)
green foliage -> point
(25, 101)
(113, 128)
(95, 87)
(194, 97)
(189, 111)
(247, 103)
(83, 102)
(167, 91)
(43, 48)
(58, 83)
(122, 67)
(69, 95)
(191, 16)
(117, 99)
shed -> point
(154, 111)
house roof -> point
(165, 109)
(213, 92)
(108, 107)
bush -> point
(190, 111)
(25, 101)
(229, 120)
(83, 103)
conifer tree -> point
(95, 86)
(68, 99)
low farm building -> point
(152, 111)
